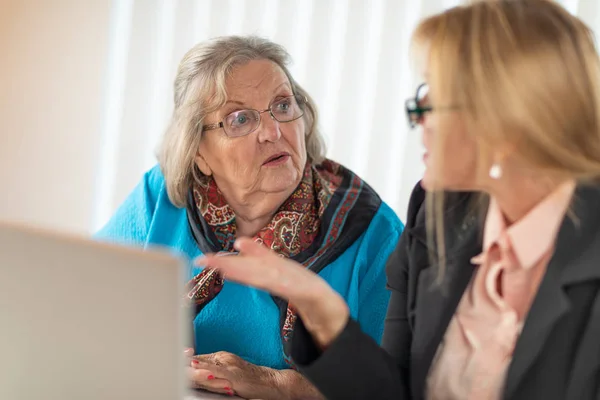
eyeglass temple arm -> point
(211, 127)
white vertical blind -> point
(111, 128)
(351, 56)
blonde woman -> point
(243, 157)
(493, 296)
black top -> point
(557, 355)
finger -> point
(210, 362)
(205, 379)
(187, 356)
(209, 365)
(250, 247)
(201, 375)
(263, 273)
(203, 358)
(217, 359)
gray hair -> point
(200, 90)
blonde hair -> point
(200, 89)
(524, 73)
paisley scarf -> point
(328, 211)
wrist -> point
(282, 385)
(334, 319)
(291, 385)
(274, 384)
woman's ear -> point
(203, 165)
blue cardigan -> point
(243, 320)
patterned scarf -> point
(311, 227)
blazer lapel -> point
(549, 305)
(436, 302)
(575, 260)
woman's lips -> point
(276, 160)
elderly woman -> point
(243, 157)
(498, 304)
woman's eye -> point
(239, 119)
(284, 106)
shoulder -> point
(414, 243)
(378, 215)
(456, 206)
(154, 181)
(144, 198)
(152, 191)
(131, 220)
(415, 204)
(380, 237)
(386, 220)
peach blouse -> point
(472, 360)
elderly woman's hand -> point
(205, 379)
(227, 373)
(323, 311)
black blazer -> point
(557, 355)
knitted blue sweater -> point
(243, 320)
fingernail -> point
(195, 362)
(211, 377)
(227, 388)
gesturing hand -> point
(322, 310)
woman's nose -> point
(268, 131)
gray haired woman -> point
(243, 157)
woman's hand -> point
(227, 373)
(323, 311)
(205, 379)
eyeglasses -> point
(244, 122)
(417, 106)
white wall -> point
(52, 67)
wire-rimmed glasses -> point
(243, 122)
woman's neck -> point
(517, 197)
(250, 227)
(253, 214)
(253, 211)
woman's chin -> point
(284, 180)
(430, 183)
(427, 181)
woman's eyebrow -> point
(240, 103)
(235, 102)
(280, 85)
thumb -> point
(249, 247)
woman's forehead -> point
(256, 76)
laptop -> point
(81, 319)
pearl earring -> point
(496, 171)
